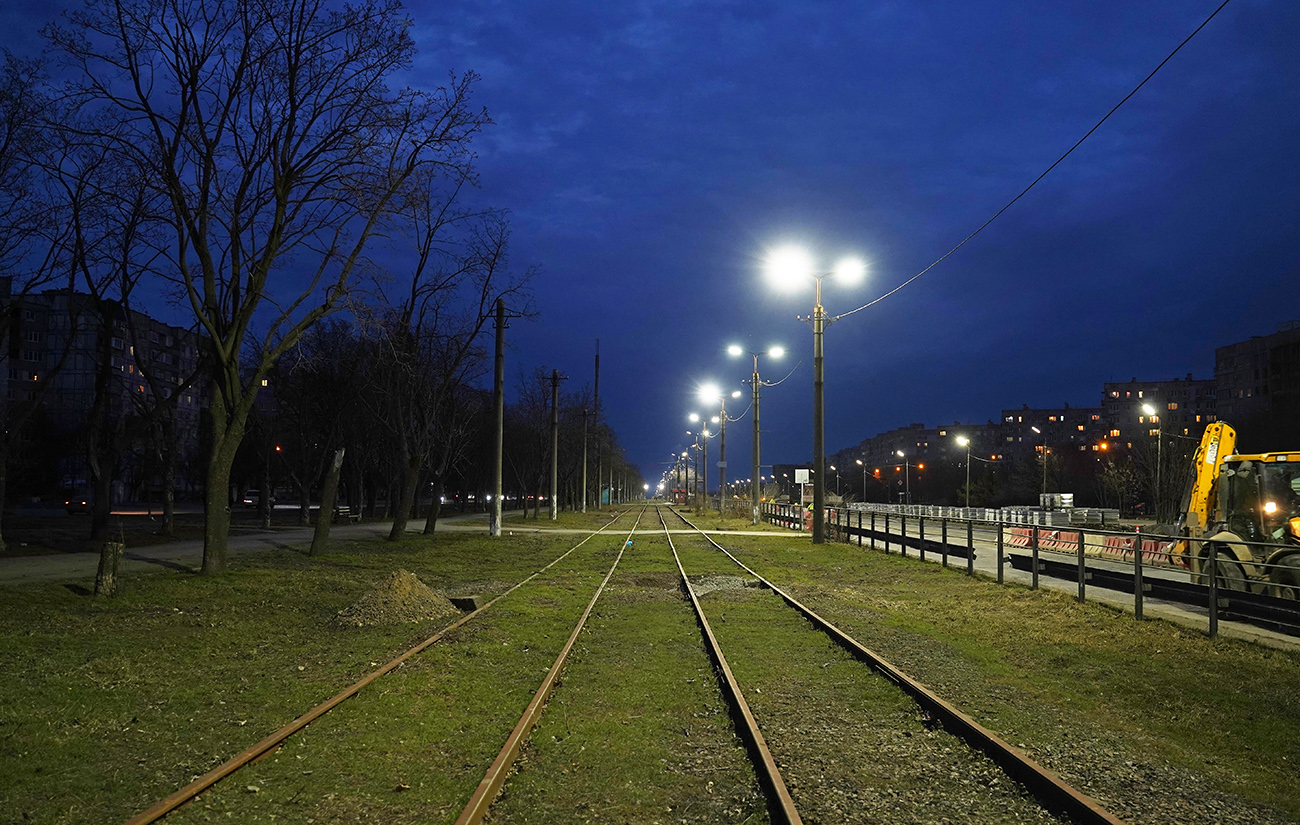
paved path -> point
(187, 556)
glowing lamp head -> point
(963, 441)
(776, 352)
(1148, 409)
(1270, 507)
(693, 417)
(735, 393)
(850, 271)
(710, 393)
(788, 268)
(735, 351)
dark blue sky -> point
(652, 152)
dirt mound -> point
(401, 597)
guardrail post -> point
(1214, 594)
(887, 534)
(921, 536)
(1137, 573)
(1083, 569)
(943, 540)
(902, 539)
(1000, 557)
(859, 528)
(970, 547)
(1033, 547)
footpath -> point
(187, 556)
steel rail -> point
(486, 792)
(780, 804)
(254, 752)
(1052, 792)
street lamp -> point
(756, 383)
(789, 267)
(863, 465)
(1044, 435)
(1155, 419)
(963, 441)
(837, 479)
(711, 394)
(907, 481)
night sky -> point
(652, 154)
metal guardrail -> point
(950, 532)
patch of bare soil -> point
(401, 597)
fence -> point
(1224, 580)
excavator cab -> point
(1260, 500)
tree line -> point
(256, 165)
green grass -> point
(108, 705)
(1040, 667)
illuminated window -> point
(1139, 393)
(1173, 405)
(1080, 428)
(1096, 418)
(1114, 433)
(265, 382)
(1051, 418)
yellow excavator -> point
(1235, 499)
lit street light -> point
(756, 383)
(1044, 435)
(864, 477)
(907, 481)
(1155, 419)
(788, 268)
(711, 394)
(963, 441)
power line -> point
(1046, 171)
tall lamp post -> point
(1044, 435)
(756, 384)
(907, 481)
(791, 266)
(711, 394)
(1155, 419)
(863, 465)
(702, 458)
(963, 441)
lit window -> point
(1198, 419)
(1114, 433)
(1080, 428)
(1051, 418)
(1139, 393)
(1173, 405)
(265, 382)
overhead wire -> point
(1025, 191)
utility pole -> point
(585, 413)
(555, 444)
(499, 410)
(600, 474)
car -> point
(77, 503)
(253, 497)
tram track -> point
(275, 740)
(1048, 789)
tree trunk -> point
(101, 506)
(410, 479)
(328, 495)
(167, 453)
(216, 494)
(4, 480)
(110, 553)
(435, 506)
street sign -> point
(722, 465)
(800, 476)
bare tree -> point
(271, 132)
(33, 235)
